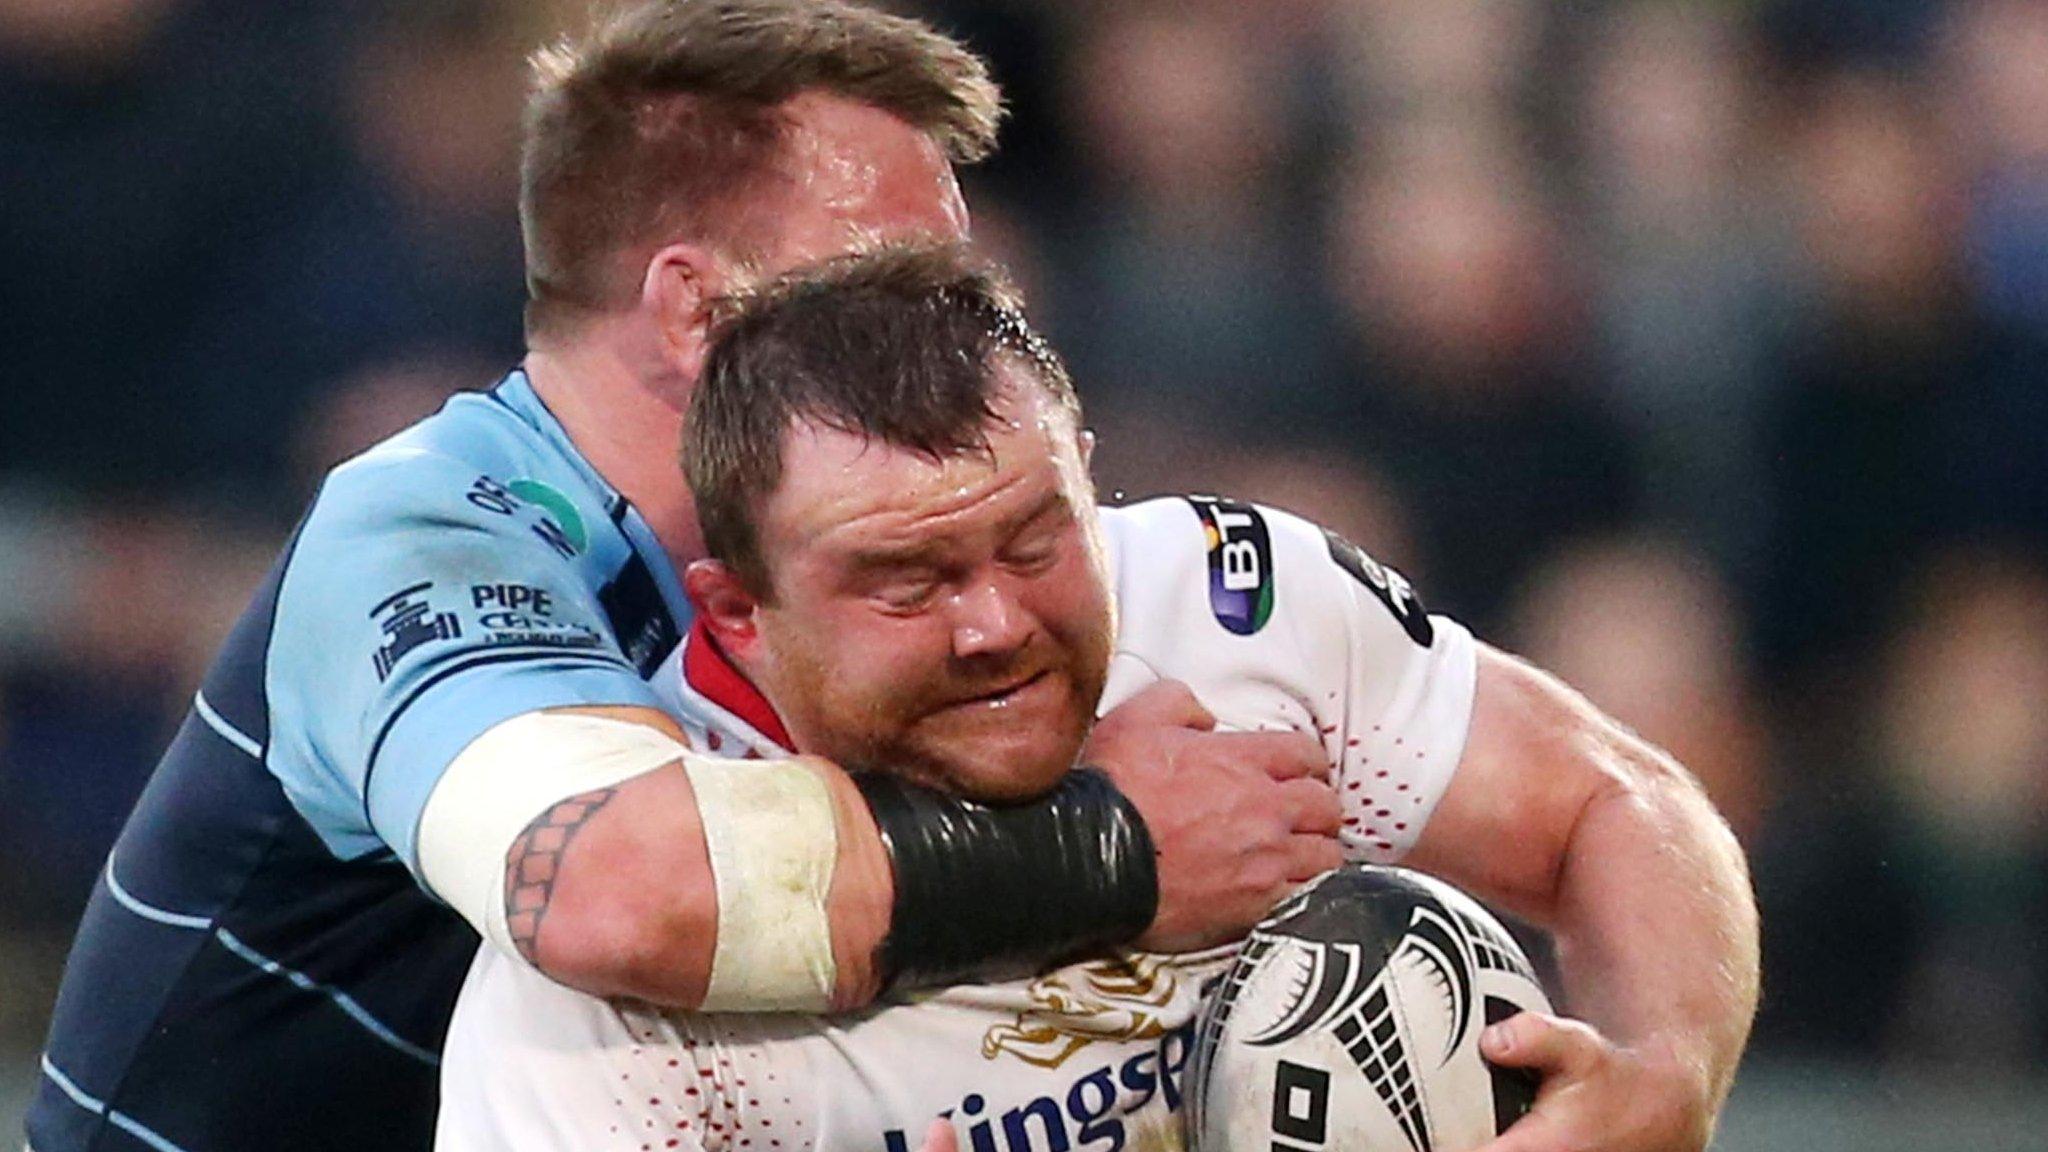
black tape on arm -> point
(983, 890)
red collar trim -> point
(706, 669)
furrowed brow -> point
(1052, 504)
(877, 559)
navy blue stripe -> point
(122, 975)
(349, 1005)
(99, 1107)
(203, 825)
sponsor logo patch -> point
(558, 525)
(407, 619)
(563, 524)
(1240, 563)
(1120, 999)
(524, 614)
(1390, 586)
(1126, 1106)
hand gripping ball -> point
(1350, 1022)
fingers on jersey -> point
(940, 1137)
(1166, 703)
(1279, 755)
(1310, 806)
(1310, 857)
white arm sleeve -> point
(1275, 623)
(1404, 681)
(506, 778)
(768, 828)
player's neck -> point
(628, 431)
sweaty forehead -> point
(861, 176)
(849, 492)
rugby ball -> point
(1350, 1022)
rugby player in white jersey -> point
(910, 576)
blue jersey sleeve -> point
(426, 602)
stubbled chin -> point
(997, 772)
(996, 755)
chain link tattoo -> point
(535, 860)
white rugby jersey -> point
(1273, 622)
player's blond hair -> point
(657, 124)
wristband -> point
(981, 889)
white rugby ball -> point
(1350, 1022)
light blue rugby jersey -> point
(258, 966)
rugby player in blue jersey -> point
(433, 721)
(271, 955)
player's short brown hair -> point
(898, 345)
(657, 124)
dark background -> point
(1697, 350)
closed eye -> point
(1035, 556)
(1037, 546)
(906, 593)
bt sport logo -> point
(1240, 563)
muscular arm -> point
(611, 891)
(1559, 814)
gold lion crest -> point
(1120, 999)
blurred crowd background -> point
(1697, 350)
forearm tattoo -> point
(535, 860)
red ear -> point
(723, 604)
(678, 288)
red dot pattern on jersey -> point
(736, 1112)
